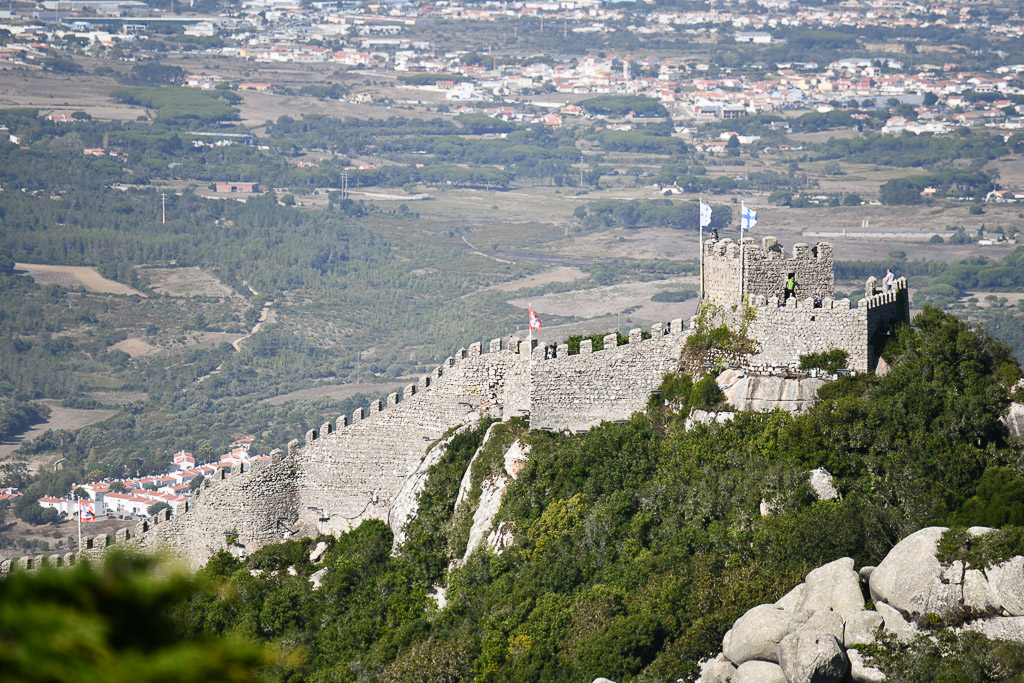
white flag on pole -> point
(748, 218)
(705, 214)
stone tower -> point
(763, 270)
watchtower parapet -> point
(763, 270)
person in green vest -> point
(790, 287)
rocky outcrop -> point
(812, 657)
(492, 490)
(403, 510)
(912, 580)
(1015, 419)
(760, 393)
(811, 633)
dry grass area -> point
(118, 398)
(622, 243)
(339, 392)
(187, 282)
(74, 276)
(60, 418)
(51, 92)
(613, 299)
(547, 277)
(136, 348)
(824, 135)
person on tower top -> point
(888, 280)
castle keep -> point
(354, 468)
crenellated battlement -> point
(93, 547)
(764, 269)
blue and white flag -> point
(705, 215)
(748, 218)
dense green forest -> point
(638, 544)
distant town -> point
(383, 38)
(144, 496)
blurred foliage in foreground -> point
(108, 623)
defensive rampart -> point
(576, 392)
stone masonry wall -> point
(785, 333)
(258, 505)
(765, 269)
(354, 472)
(576, 392)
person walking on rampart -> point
(790, 287)
(888, 280)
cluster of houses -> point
(131, 498)
(372, 36)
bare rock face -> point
(318, 552)
(834, 586)
(758, 672)
(860, 672)
(896, 624)
(757, 633)
(860, 627)
(825, 621)
(763, 393)
(999, 628)
(911, 579)
(807, 657)
(717, 670)
(821, 484)
(1015, 419)
(792, 600)
(1006, 583)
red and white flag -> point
(86, 512)
(534, 320)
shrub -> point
(829, 361)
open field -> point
(188, 281)
(136, 348)
(74, 276)
(604, 301)
(60, 418)
(57, 93)
(547, 277)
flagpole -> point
(79, 525)
(529, 335)
(743, 211)
(700, 223)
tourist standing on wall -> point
(888, 280)
(790, 287)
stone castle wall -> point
(576, 392)
(784, 333)
(353, 468)
(765, 269)
(354, 472)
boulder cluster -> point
(812, 633)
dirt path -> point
(480, 253)
(73, 276)
(237, 344)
